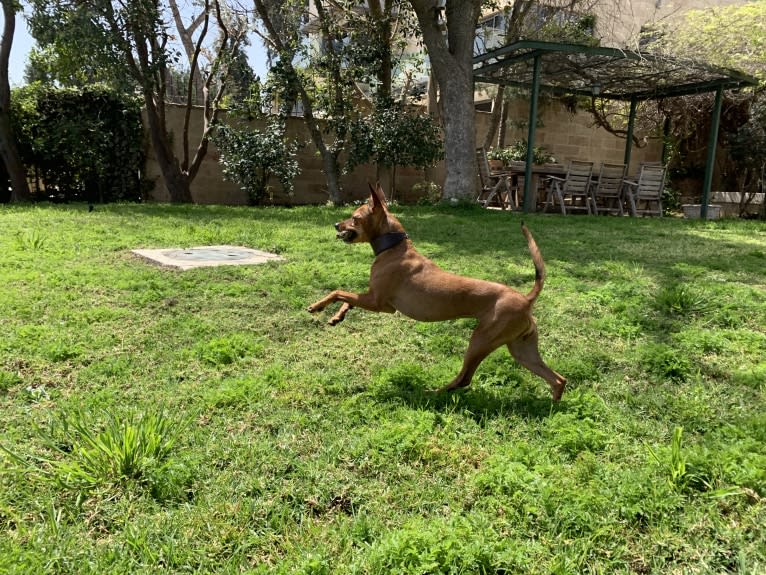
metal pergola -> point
(609, 73)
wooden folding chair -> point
(495, 187)
(606, 194)
(574, 187)
(648, 189)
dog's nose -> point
(337, 226)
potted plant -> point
(518, 153)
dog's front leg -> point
(364, 300)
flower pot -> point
(693, 211)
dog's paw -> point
(335, 320)
(314, 308)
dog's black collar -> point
(387, 241)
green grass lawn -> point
(154, 420)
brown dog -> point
(403, 280)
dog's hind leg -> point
(480, 346)
(338, 317)
(524, 350)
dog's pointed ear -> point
(377, 197)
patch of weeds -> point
(572, 433)
(61, 350)
(446, 344)
(226, 350)
(622, 323)
(681, 300)
(673, 464)
(117, 454)
(511, 479)
(666, 362)
(237, 392)
(753, 377)
(500, 370)
(118, 367)
(702, 340)
(439, 546)
(585, 403)
(403, 379)
(584, 368)
(406, 439)
(30, 240)
(8, 380)
(728, 315)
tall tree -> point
(137, 34)
(8, 148)
(451, 58)
(320, 79)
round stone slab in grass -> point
(206, 256)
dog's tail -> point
(539, 265)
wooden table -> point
(517, 170)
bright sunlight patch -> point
(207, 256)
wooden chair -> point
(575, 187)
(495, 187)
(606, 195)
(648, 189)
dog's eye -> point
(354, 219)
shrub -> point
(86, 143)
(518, 153)
(395, 136)
(251, 156)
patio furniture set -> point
(576, 188)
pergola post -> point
(528, 199)
(629, 139)
(711, 146)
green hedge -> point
(80, 143)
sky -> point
(23, 43)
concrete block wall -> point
(570, 136)
(565, 135)
(210, 187)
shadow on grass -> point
(477, 402)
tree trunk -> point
(503, 124)
(496, 116)
(286, 52)
(451, 59)
(8, 150)
(176, 182)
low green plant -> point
(8, 380)
(115, 453)
(675, 464)
(681, 299)
(666, 362)
(226, 350)
(31, 239)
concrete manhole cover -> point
(207, 256)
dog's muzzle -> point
(346, 235)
